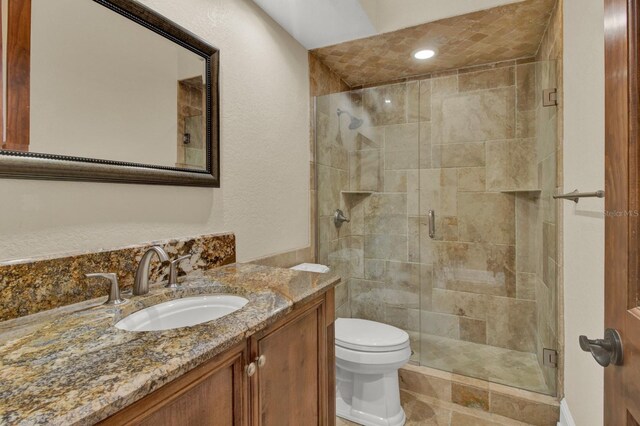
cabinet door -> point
(210, 395)
(290, 388)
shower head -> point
(355, 121)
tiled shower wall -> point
(459, 144)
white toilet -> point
(368, 356)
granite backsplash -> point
(35, 285)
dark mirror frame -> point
(25, 165)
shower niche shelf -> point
(357, 192)
(521, 191)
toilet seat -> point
(369, 336)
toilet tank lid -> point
(368, 335)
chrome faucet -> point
(141, 284)
(173, 271)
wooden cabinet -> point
(212, 394)
(290, 384)
(283, 375)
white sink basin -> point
(182, 312)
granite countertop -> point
(72, 366)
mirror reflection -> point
(104, 87)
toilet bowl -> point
(368, 356)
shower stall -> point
(447, 185)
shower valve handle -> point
(339, 218)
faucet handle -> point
(173, 270)
(114, 294)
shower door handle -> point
(432, 223)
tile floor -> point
(424, 411)
(498, 365)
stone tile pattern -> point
(490, 363)
(40, 284)
(501, 33)
(486, 403)
(548, 271)
(322, 81)
(452, 144)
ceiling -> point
(317, 23)
(320, 23)
(498, 34)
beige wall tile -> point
(382, 113)
(469, 396)
(486, 79)
(460, 303)
(403, 318)
(400, 294)
(526, 124)
(413, 192)
(523, 410)
(473, 330)
(472, 179)
(529, 233)
(385, 214)
(425, 145)
(511, 323)
(425, 100)
(477, 268)
(365, 170)
(401, 160)
(425, 385)
(511, 165)
(390, 247)
(437, 324)
(395, 181)
(438, 191)
(458, 155)
(476, 116)
(525, 286)
(486, 217)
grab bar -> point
(576, 195)
(432, 223)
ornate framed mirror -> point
(106, 90)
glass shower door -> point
(488, 304)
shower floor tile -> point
(498, 365)
(423, 411)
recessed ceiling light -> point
(423, 54)
(387, 101)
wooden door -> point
(622, 204)
(212, 394)
(290, 387)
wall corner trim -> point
(566, 419)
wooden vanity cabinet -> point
(212, 394)
(283, 375)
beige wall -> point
(583, 223)
(264, 196)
